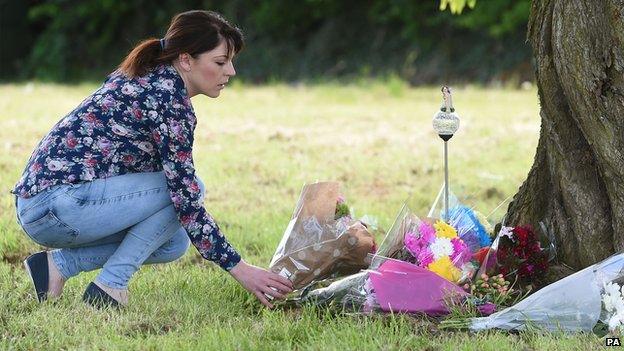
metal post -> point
(446, 183)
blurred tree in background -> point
(66, 40)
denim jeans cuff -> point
(61, 263)
(102, 279)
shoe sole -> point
(39, 297)
(32, 280)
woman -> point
(113, 185)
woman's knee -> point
(173, 249)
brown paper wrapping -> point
(313, 248)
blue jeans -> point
(116, 223)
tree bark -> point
(576, 184)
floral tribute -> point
(438, 248)
(520, 252)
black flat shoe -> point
(37, 268)
(98, 298)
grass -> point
(255, 147)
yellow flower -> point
(444, 230)
(445, 268)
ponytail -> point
(142, 58)
(192, 32)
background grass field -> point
(255, 147)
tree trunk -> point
(576, 184)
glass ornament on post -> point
(446, 123)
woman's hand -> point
(259, 282)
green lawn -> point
(255, 147)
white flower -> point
(616, 321)
(609, 302)
(167, 84)
(146, 146)
(613, 300)
(55, 165)
(506, 231)
(128, 89)
(208, 228)
(612, 289)
(88, 174)
(441, 247)
(119, 130)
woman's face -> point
(210, 71)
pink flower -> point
(127, 159)
(156, 136)
(176, 127)
(183, 156)
(138, 114)
(71, 140)
(411, 242)
(427, 231)
(205, 245)
(90, 162)
(194, 187)
(35, 167)
(90, 117)
(417, 242)
(340, 200)
(425, 257)
(111, 86)
(461, 252)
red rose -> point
(205, 245)
(183, 155)
(194, 187)
(156, 136)
(137, 113)
(90, 117)
(186, 220)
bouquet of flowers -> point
(575, 303)
(322, 239)
(613, 303)
(446, 247)
(517, 253)
(519, 249)
(490, 288)
(416, 268)
(394, 286)
(438, 248)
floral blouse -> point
(144, 124)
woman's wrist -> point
(237, 270)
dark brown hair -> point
(193, 32)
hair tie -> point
(162, 44)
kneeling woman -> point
(113, 184)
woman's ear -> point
(185, 61)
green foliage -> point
(457, 6)
(286, 40)
(342, 210)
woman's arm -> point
(173, 134)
